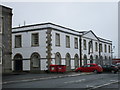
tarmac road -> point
(86, 81)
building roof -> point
(3, 6)
(55, 26)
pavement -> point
(28, 77)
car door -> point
(84, 68)
(92, 68)
(87, 68)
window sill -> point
(35, 46)
(18, 47)
(57, 45)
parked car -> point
(90, 68)
(110, 68)
(118, 64)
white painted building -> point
(35, 47)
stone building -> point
(5, 38)
(35, 47)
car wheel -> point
(113, 71)
(79, 71)
(95, 71)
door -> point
(18, 65)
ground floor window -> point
(57, 58)
(35, 60)
(91, 59)
(76, 58)
(85, 59)
(68, 61)
(96, 59)
(101, 60)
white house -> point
(35, 47)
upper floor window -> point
(109, 49)
(105, 48)
(101, 48)
(67, 41)
(35, 39)
(18, 41)
(1, 24)
(84, 44)
(96, 46)
(76, 43)
(90, 47)
(57, 41)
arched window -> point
(68, 61)
(91, 59)
(110, 60)
(57, 58)
(35, 60)
(101, 60)
(85, 59)
(76, 62)
(105, 61)
(96, 59)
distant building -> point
(5, 38)
(35, 47)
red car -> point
(90, 68)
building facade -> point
(35, 47)
(5, 39)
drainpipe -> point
(80, 50)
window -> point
(35, 58)
(100, 47)
(18, 41)
(35, 39)
(96, 46)
(0, 55)
(90, 47)
(67, 41)
(109, 49)
(105, 48)
(0, 24)
(76, 43)
(84, 44)
(57, 41)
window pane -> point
(18, 41)
(84, 44)
(35, 61)
(96, 46)
(67, 41)
(76, 43)
(35, 39)
(57, 39)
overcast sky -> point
(100, 17)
